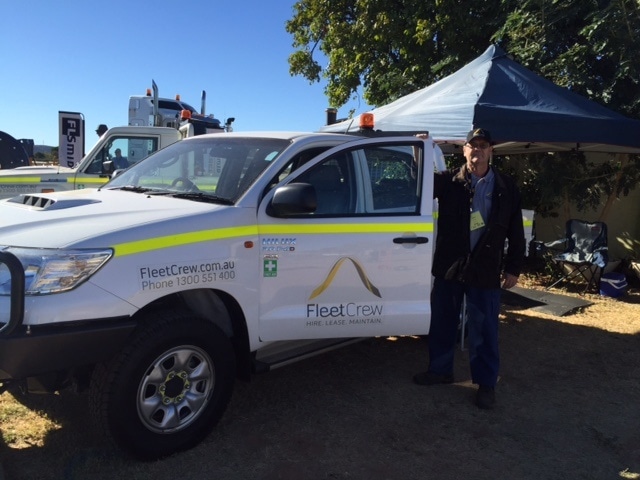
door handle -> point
(402, 240)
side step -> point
(289, 352)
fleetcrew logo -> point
(344, 313)
(333, 272)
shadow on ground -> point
(567, 407)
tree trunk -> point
(623, 158)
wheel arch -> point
(220, 308)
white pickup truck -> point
(215, 258)
(96, 167)
(175, 120)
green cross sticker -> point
(270, 267)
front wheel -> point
(168, 388)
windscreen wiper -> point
(132, 188)
(203, 197)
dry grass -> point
(618, 315)
(21, 426)
(568, 407)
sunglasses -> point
(477, 146)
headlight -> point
(53, 271)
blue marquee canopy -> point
(523, 111)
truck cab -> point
(132, 144)
(141, 110)
(151, 110)
(154, 123)
(95, 169)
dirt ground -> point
(568, 408)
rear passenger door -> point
(359, 265)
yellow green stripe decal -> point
(169, 241)
(98, 180)
(525, 222)
(345, 228)
(37, 180)
(180, 239)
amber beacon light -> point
(366, 121)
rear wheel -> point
(168, 388)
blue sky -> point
(89, 57)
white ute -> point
(136, 141)
(215, 258)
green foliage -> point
(547, 180)
(46, 158)
(393, 47)
(588, 46)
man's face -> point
(477, 153)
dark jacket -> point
(453, 258)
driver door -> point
(359, 264)
(97, 171)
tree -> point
(590, 47)
(393, 47)
(552, 181)
(42, 158)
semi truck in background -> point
(151, 110)
(133, 142)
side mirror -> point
(107, 166)
(293, 199)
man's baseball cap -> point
(479, 133)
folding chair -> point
(585, 252)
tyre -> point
(168, 387)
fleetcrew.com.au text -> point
(168, 276)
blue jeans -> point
(483, 307)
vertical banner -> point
(71, 148)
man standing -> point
(478, 209)
(101, 129)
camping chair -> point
(585, 252)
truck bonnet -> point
(95, 218)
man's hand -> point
(509, 280)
